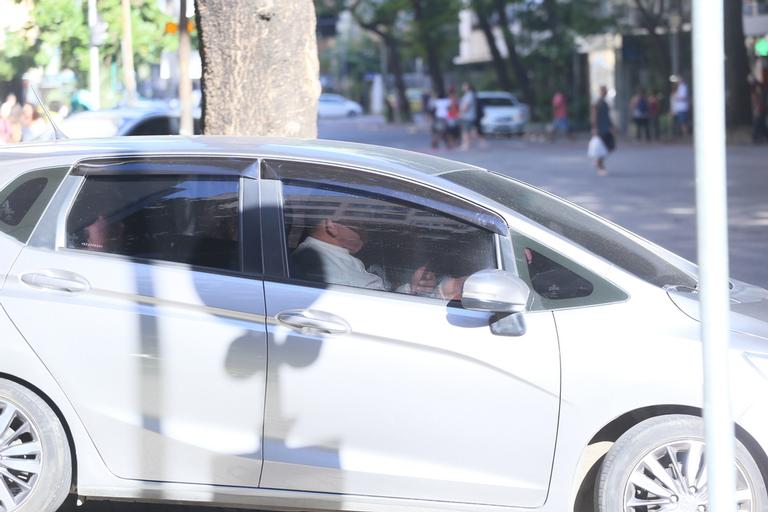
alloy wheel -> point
(21, 457)
(673, 477)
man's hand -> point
(423, 281)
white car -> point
(502, 113)
(287, 324)
(122, 121)
(336, 105)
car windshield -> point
(497, 102)
(577, 225)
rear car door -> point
(138, 294)
(382, 389)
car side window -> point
(342, 236)
(192, 219)
(557, 282)
(23, 201)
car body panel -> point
(178, 342)
(369, 412)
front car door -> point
(137, 294)
(380, 385)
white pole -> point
(712, 229)
(93, 74)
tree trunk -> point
(431, 46)
(126, 45)
(651, 21)
(521, 73)
(396, 68)
(260, 67)
(498, 62)
(738, 105)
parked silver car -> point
(131, 121)
(503, 113)
(329, 326)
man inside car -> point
(327, 255)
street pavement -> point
(650, 189)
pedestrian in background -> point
(468, 112)
(654, 110)
(759, 98)
(638, 106)
(680, 108)
(439, 113)
(6, 131)
(559, 115)
(602, 132)
(453, 134)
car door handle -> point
(313, 321)
(56, 280)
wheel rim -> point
(21, 456)
(673, 477)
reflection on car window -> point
(554, 281)
(340, 236)
(185, 219)
(23, 201)
(576, 225)
(557, 282)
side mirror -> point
(495, 291)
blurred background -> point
(386, 58)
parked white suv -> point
(502, 113)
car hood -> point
(749, 306)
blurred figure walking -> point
(680, 108)
(453, 134)
(438, 109)
(603, 129)
(468, 109)
(654, 110)
(759, 97)
(638, 106)
(559, 115)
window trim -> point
(61, 225)
(499, 227)
(273, 231)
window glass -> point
(381, 185)
(339, 236)
(556, 282)
(22, 202)
(577, 225)
(185, 219)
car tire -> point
(655, 453)
(32, 433)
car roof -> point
(349, 154)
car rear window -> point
(192, 219)
(23, 201)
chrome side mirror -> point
(495, 291)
